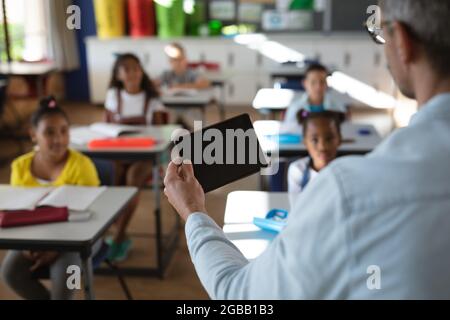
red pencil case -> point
(30, 217)
(121, 143)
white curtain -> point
(61, 41)
(35, 31)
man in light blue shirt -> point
(372, 227)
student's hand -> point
(183, 190)
(42, 258)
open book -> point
(76, 199)
(82, 135)
(113, 130)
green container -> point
(196, 19)
(215, 27)
(302, 5)
(170, 18)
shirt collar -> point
(304, 101)
(437, 107)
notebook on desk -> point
(28, 206)
(181, 92)
(75, 198)
(114, 130)
(40, 215)
(83, 135)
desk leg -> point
(159, 240)
(86, 264)
(203, 116)
(222, 103)
(40, 86)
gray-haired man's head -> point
(427, 24)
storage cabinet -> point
(248, 70)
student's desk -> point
(36, 70)
(153, 154)
(288, 72)
(72, 236)
(241, 208)
(200, 100)
(358, 138)
(269, 101)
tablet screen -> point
(223, 153)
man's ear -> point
(404, 42)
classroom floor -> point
(181, 281)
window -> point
(27, 30)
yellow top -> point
(78, 170)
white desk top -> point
(361, 143)
(161, 133)
(275, 99)
(241, 208)
(281, 99)
(203, 97)
(26, 68)
(104, 209)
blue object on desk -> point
(286, 138)
(274, 221)
(364, 132)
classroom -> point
(312, 142)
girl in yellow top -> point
(77, 170)
(51, 164)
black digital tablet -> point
(222, 153)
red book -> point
(29, 217)
(121, 143)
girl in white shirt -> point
(132, 99)
(322, 137)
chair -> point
(9, 131)
(3, 86)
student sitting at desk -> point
(180, 76)
(132, 99)
(52, 163)
(322, 137)
(316, 98)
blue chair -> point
(277, 182)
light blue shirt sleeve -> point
(293, 266)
